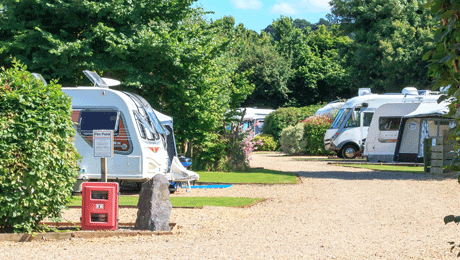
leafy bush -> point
(38, 161)
(315, 129)
(268, 142)
(293, 139)
(276, 121)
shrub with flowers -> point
(240, 145)
(315, 128)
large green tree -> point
(390, 38)
(319, 70)
(161, 49)
(271, 72)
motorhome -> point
(143, 146)
(427, 121)
(350, 127)
(383, 131)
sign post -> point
(103, 148)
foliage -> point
(268, 142)
(444, 67)
(38, 162)
(240, 145)
(315, 129)
(163, 50)
(271, 71)
(276, 121)
(390, 38)
(292, 140)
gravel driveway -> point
(335, 213)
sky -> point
(258, 14)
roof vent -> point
(410, 91)
(364, 91)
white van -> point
(383, 131)
(141, 147)
(350, 127)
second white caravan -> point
(383, 131)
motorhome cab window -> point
(389, 123)
(99, 120)
(353, 123)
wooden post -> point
(427, 154)
(103, 169)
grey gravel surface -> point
(335, 213)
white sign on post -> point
(103, 143)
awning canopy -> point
(430, 109)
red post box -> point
(99, 209)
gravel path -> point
(335, 213)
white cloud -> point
(247, 4)
(297, 7)
(322, 4)
(284, 9)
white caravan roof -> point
(329, 108)
(255, 113)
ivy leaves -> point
(38, 162)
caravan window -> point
(144, 127)
(389, 123)
(99, 120)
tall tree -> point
(162, 49)
(390, 38)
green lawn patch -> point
(254, 176)
(183, 201)
(392, 168)
(329, 159)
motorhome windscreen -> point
(340, 118)
(99, 120)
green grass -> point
(392, 168)
(254, 176)
(329, 159)
(182, 201)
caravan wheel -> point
(349, 151)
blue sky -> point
(258, 14)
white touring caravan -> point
(143, 146)
(427, 121)
(254, 115)
(330, 109)
(349, 130)
(383, 131)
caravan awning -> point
(430, 109)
